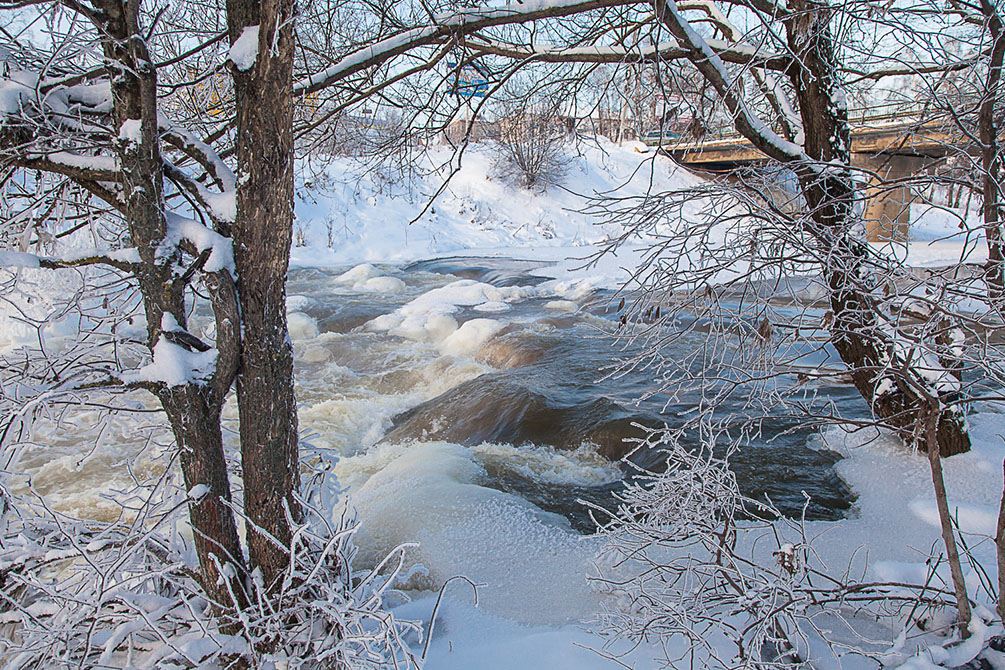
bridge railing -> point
(890, 113)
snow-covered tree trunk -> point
(263, 45)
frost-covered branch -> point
(712, 68)
(447, 27)
(728, 52)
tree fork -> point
(193, 409)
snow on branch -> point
(76, 166)
(768, 82)
(713, 69)
(179, 229)
(222, 207)
(123, 259)
(731, 53)
(174, 363)
(24, 91)
(16, 91)
(200, 152)
(443, 27)
(18, 259)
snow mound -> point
(470, 337)
(430, 317)
(429, 492)
(365, 278)
(358, 274)
(476, 212)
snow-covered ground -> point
(479, 213)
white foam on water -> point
(314, 355)
(348, 409)
(83, 463)
(581, 467)
(298, 303)
(302, 326)
(561, 305)
(88, 489)
(430, 378)
(350, 424)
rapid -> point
(468, 406)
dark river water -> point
(540, 381)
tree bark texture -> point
(992, 158)
(193, 409)
(262, 237)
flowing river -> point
(467, 405)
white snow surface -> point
(244, 51)
(479, 214)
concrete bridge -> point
(886, 146)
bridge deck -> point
(929, 140)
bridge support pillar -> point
(887, 209)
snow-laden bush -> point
(82, 594)
(718, 580)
